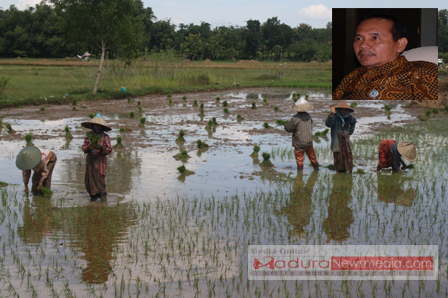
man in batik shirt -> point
(379, 40)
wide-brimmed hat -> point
(407, 150)
(302, 106)
(98, 119)
(344, 105)
(28, 158)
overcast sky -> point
(237, 12)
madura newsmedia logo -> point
(347, 263)
(334, 262)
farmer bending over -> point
(390, 154)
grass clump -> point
(46, 192)
(42, 110)
(119, 142)
(168, 96)
(276, 109)
(201, 111)
(183, 155)
(129, 100)
(321, 133)
(180, 138)
(29, 139)
(266, 162)
(214, 121)
(428, 113)
(280, 122)
(218, 98)
(9, 128)
(435, 110)
(266, 125)
(121, 129)
(353, 105)
(359, 171)
(256, 150)
(131, 114)
(195, 103)
(91, 116)
(184, 98)
(74, 109)
(226, 111)
(224, 103)
(68, 134)
(74, 102)
(139, 103)
(254, 105)
(142, 121)
(239, 117)
(201, 145)
(387, 108)
(265, 101)
(170, 102)
(183, 170)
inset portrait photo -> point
(385, 54)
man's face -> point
(374, 44)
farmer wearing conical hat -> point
(342, 126)
(42, 163)
(301, 127)
(390, 154)
(97, 146)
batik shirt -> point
(399, 79)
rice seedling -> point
(254, 105)
(129, 99)
(256, 150)
(295, 99)
(276, 109)
(239, 117)
(184, 171)
(226, 111)
(29, 139)
(180, 138)
(224, 103)
(74, 109)
(139, 103)
(121, 130)
(74, 102)
(201, 111)
(195, 103)
(252, 96)
(428, 113)
(184, 98)
(387, 108)
(266, 162)
(140, 110)
(119, 143)
(307, 96)
(9, 128)
(183, 155)
(446, 108)
(266, 125)
(142, 121)
(91, 116)
(209, 124)
(435, 110)
(42, 110)
(218, 98)
(46, 192)
(280, 122)
(68, 134)
(214, 121)
(353, 105)
(359, 171)
(201, 145)
(170, 102)
(265, 101)
(169, 96)
(131, 114)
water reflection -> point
(298, 211)
(340, 216)
(93, 229)
(390, 190)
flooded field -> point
(166, 234)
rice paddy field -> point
(163, 233)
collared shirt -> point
(396, 80)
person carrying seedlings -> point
(42, 163)
(342, 126)
(97, 146)
(390, 153)
(301, 127)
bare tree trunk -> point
(100, 68)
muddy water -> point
(154, 215)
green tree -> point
(252, 39)
(193, 47)
(107, 24)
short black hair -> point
(399, 29)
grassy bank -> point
(48, 81)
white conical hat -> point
(302, 106)
(407, 150)
(98, 119)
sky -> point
(237, 12)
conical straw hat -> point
(28, 158)
(98, 119)
(407, 150)
(302, 106)
(344, 105)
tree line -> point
(64, 29)
(443, 34)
